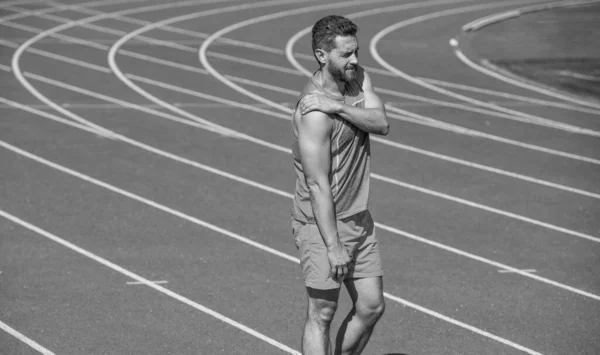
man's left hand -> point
(318, 102)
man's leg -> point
(368, 306)
(322, 305)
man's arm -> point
(314, 130)
(371, 119)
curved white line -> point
(408, 116)
(517, 115)
(520, 98)
(488, 20)
(289, 47)
(202, 52)
(237, 134)
(435, 155)
(428, 121)
(521, 83)
(437, 243)
(117, 45)
(162, 153)
(19, 52)
(291, 56)
(469, 327)
(26, 12)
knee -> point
(370, 310)
(322, 312)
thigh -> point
(357, 232)
(313, 257)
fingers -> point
(338, 273)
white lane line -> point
(389, 227)
(479, 23)
(510, 271)
(23, 12)
(58, 57)
(273, 51)
(519, 116)
(511, 96)
(259, 108)
(392, 181)
(40, 349)
(122, 270)
(376, 176)
(202, 52)
(19, 52)
(407, 116)
(278, 51)
(495, 74)
(117, 45)
(219, 230)
(430, 122)
(161, 282)
(289, 46)
(289, 196)
(291, 56)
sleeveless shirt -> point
(350, 161)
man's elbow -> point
(385, 129)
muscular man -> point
(332, 227)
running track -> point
(146, 182)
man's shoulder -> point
(309, 88)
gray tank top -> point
(350, 161)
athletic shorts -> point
(356, 231)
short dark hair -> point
(328, 28)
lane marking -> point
(385, 179)
(518, 98)
(15, 62)
(140, 279)
(288, 195)
(415, 118)
(518, 115)
(510, 271)
(215, 228)
(278, 51)
(162, 23)
(40, 349)
(161, 282)
(479, 23)
(123, 78)
(406, 115)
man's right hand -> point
(340, 261)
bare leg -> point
(322, 305)
(356, 329)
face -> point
(342, 61)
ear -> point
(321, 56)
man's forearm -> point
(324, 212)
(370, 120)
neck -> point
(329, 83)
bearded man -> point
(332, 226)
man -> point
(332, 227)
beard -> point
(345, 74)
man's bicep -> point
(314, 130)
